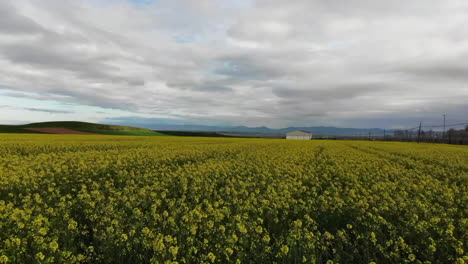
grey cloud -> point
(99, 98)
(241, 69)
(52, 111)
(45, 54)
(158, 122)
(36, 109)
(12, 22)
(344, 91)
(275, 62)
(200, 85)
(34, 96)
(446, 69)
(212, 88)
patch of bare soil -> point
(59, 130)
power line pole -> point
(443, 133)
(419, 132)
(384, 135)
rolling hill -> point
(75, 127)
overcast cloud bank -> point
(278, 63)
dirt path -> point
(59, 130)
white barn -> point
(299, 134)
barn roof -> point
(300, 131)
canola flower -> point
(113, 199)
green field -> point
(81, 126)
(125, 199)
(124, 132)
(16, 129)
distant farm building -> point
(299, 134)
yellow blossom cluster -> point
(124, 199)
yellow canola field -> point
(124, 199)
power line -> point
(419, 132)
(444, 127)
(459, 124)
(408, 134)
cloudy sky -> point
(354, 63)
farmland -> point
(75, 127)
(126, 199)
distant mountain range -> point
(206, 130)
(319, 131)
